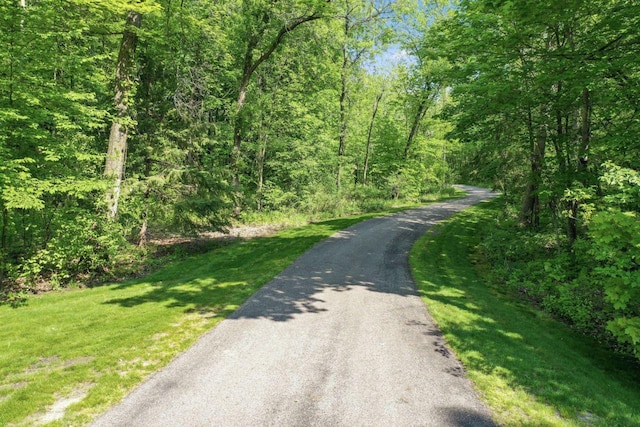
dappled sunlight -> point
(229, 275)
(344, 234)
(506, 345)
(291, 295)
(346, 260)
(512, 335)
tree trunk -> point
(530, 212)
(117, 150)
(142, 236)
(262, 152)
(585, 131)
(368, 149)
(582, 162)
(572, 221)
(343, 110)
(5, 225)
(247, 71)
(422, 111)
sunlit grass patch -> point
(530, 369)
(67, 356)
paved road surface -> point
(340, 338)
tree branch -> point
(279, 37)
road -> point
(340, 338)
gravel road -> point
(340, 338)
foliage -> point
(590, 285)
(245, 105)
(81, 248)
(544, 106)
(57, 82)
(529, 368)
(51, 83)
(532, 85)
(616, 249)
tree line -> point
(124, 119)
(547, 98)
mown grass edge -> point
(528, 368)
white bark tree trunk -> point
(117, 150)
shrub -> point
(548, 273)
(82, 247)
(615, 237)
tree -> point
(51, 118)
(362, 25)
(376, 105)
(541, 98)
(176, 169)
(125, 73)
(262, 29)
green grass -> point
(101, 342)
(530, 369)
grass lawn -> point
(67, 356)
(530, 369)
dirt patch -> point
(247, 231)
(78, 361)
(126, 367)
(233, 233)
(18, 385)
(41, 364)
(588, 418)
(54, 362)
(7, 389)
(160, 336)
(57, 410)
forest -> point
(123, 120)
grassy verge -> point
(530, 369)
(67, 356)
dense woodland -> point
(121, 120)
(547, 105)
(124, 119)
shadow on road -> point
(463, 417)
(370, 255)
(215, 284)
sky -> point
(386, 61)
(394, 54)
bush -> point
(545, 271)
(83, 248)
(615, 237)
(592, 283)
(274, 198)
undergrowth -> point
(89, 253)
(529, 368)
(556, 276)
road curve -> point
(340, 338)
